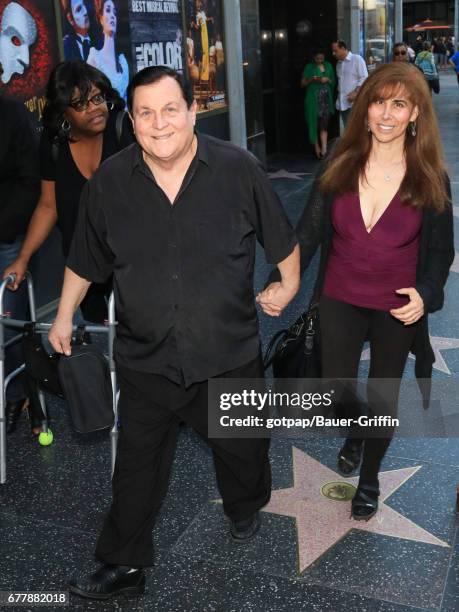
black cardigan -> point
(436, 254)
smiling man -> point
(175, 219)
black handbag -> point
(40, 366)
(295, 352)
(85, 379)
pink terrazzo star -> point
(321, 522)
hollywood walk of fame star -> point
(438, 344)
(298, 176)
(321, 522)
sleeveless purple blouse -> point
(365, 268)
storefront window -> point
(377, 19)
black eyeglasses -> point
(81, 105)
(399, 52)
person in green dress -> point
(319, 81)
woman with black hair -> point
(107, 58)
(80, 132)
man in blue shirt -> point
(454, 62)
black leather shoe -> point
(243, 531)
(108, 581)
(13, 412)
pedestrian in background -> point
(417, 47)
(426, 63)
(400, 53)
(450, 50)
(441, 52)
(411, 52)
(319, 82)
(454, 62)
(352, 72)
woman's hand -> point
(325, 80)
(413, 311)
(19, 268)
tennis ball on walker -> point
(45, 438)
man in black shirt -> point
(175, 218)
(19, 193)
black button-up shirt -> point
(183, 273)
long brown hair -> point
(424, 183)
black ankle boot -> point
(349, 457)
(365, 502)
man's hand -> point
(19, 268)
(60, 335)
(276, 297)
(413, 311)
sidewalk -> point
(309, 555)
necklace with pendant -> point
(387, 176)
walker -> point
(45, 437)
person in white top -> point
(352, 72)
(113, 64)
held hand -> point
(19, 268)
(324, 80)
(413, 311)
(60, 336)
(275, 298)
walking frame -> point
(43, 328)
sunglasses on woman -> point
(399, 52)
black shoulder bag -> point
(295, 352)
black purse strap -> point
(270, 352)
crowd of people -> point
(320, 80)
(137, 211)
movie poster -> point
(156, 34)
(97, 32)
(28, 51)
(205, 53)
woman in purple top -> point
(381, 212)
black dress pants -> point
(151, 408)
(344, 329)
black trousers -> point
(151, 408)
(344, 329)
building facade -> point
(288, 35)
